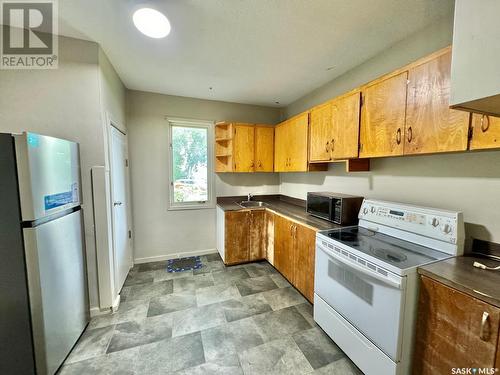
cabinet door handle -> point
(295, 231)
(485, 331)
(485, 125)
(333, 145)
(327, 148)
(398, 136)
(410, 134)
(291, 230)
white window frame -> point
(209, 126)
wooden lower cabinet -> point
(245, 236)
(269, 219)
(294, 253)
(257, 235)
(236, 241)
(284, 247)
(252, 235)
(453, 330)
(305, 250)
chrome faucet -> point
(249, 197)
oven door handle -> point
(363, 270)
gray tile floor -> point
(243, 319)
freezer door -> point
(57, 288)
(48, 173)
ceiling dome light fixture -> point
(152, 23)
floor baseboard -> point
(160, 258)
(96, 311)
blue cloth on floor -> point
(184, 264)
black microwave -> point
(341, 209)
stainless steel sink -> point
(248, 204)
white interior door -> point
(119, 184)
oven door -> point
(369, 300)
(319, 206)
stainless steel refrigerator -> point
(43, 286)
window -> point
(190, 161)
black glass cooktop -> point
(391, 250)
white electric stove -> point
(366, 282)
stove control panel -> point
(438, 224)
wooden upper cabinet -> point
(453, 330)
(485, 132)
(321, 133)
(305, 242)
(244, 148)
(224, 147)
(264, 148)
(291, 144)
(431, 126)
(280, 147)
(236, 242)
(383, 117)
(345, 124)
(298, 129)
(334, 129)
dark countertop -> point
(290, 207)
(458, 273)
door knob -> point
(485, 124)
(117, 204)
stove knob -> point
(365, 210)
(372, 209)
(434, 222)
(447, 228)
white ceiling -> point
(248, 51)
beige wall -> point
(112, 92)
(62, 103)
(158, 232)
(420, 44)
(68, 102)
(466, 181)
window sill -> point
(207, 206)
